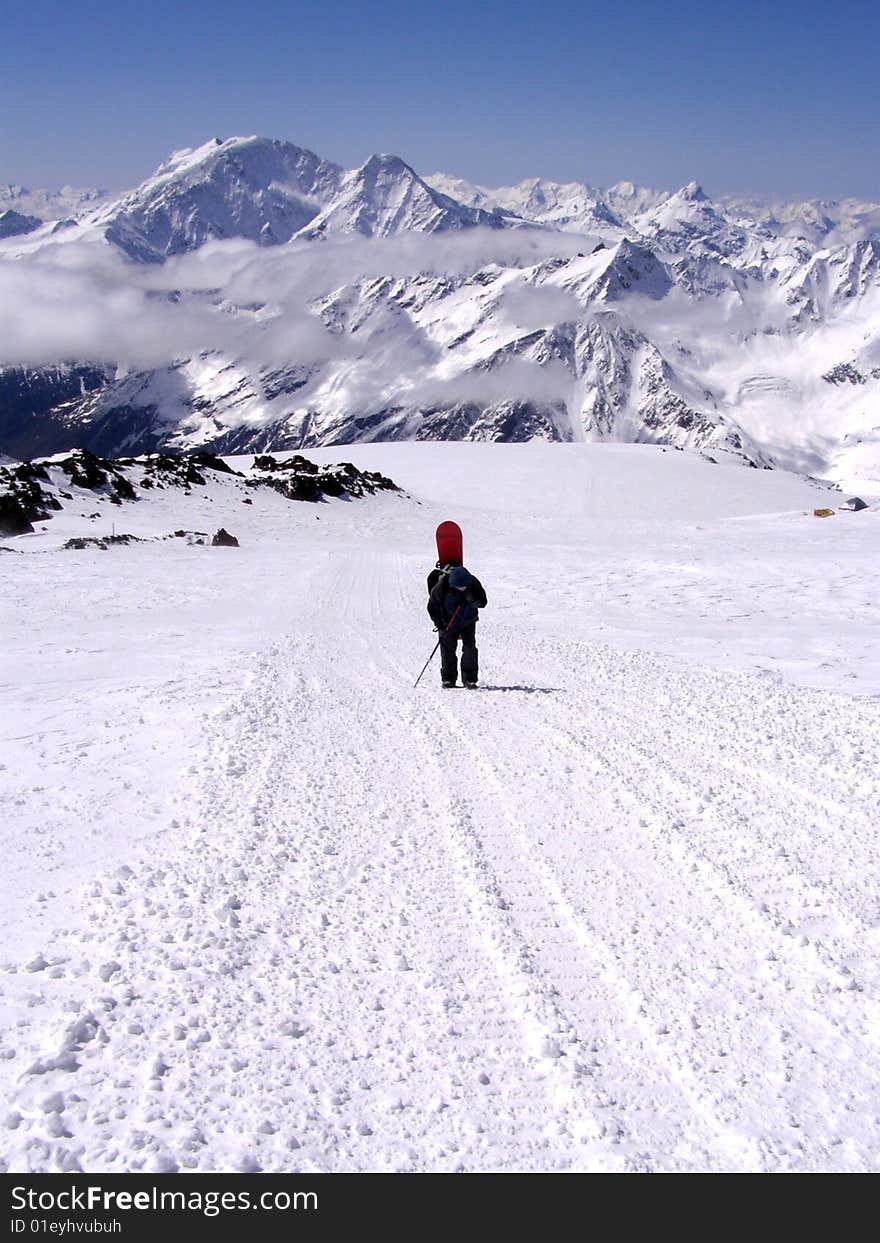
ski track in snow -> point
(621, 915)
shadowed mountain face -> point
(14, 224)
(36, 405)
(335, 306)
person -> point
(454, 603)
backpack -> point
(439, 572)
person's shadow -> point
(527, 690)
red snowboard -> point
(449, 542)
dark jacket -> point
(445, 600)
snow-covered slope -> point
(381, 305)
(268, 907)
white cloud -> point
(83, 301)
(530, 307)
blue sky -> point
(777, 98)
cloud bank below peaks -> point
(82, 301)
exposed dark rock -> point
(222, 539)
(854, 504)
(124, 489)
(23, 498)
(844, 373)
(294, 487)
(31, 470)
(85, 470)
(302, 480)
(212, 462)
(15, 516)
(295, 464)
(29, 492)
(101, 541)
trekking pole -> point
(436, 645)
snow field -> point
(616, 910)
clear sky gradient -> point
(778, 98)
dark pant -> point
(449, 655)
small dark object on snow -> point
(823, 513)
(223, 539)
(854, 504)
(191, 537)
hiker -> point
(456, 596)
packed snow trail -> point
(608, 912)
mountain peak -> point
(189, 157)
(693, 193)
(385, 162)
(386, 196)
(14, 224)
(259, 188)
(386, 157)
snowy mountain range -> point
(251, 295)
(49, 204)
